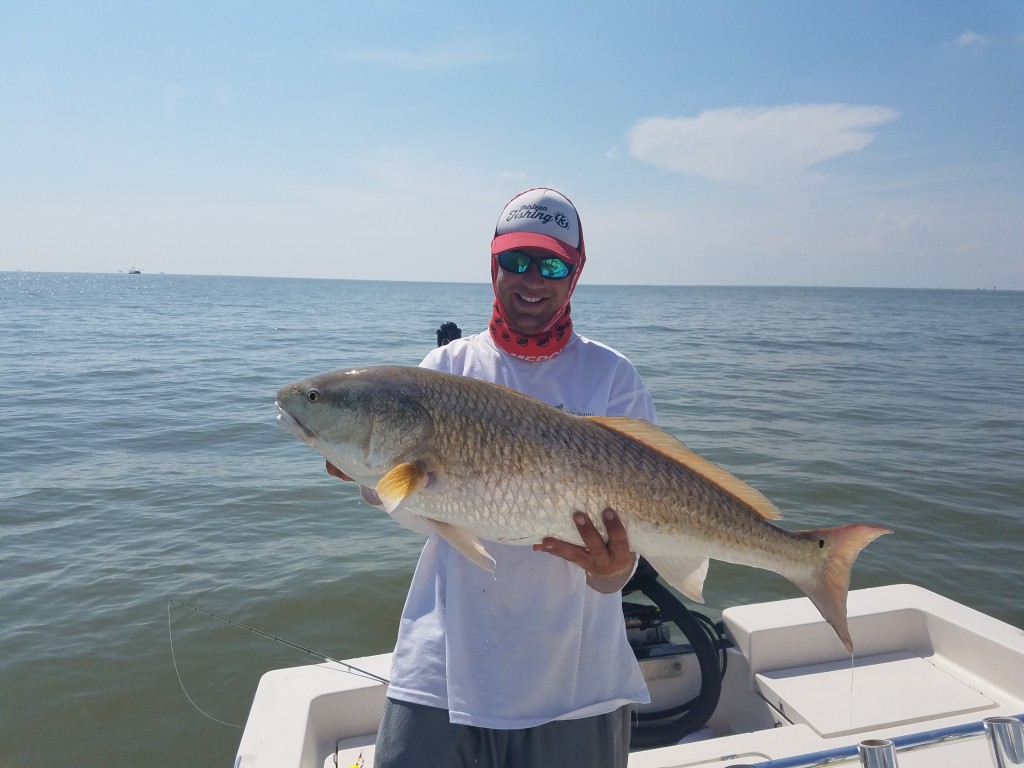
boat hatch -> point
(885, 690)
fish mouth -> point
(289, 423)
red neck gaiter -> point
(541, 346)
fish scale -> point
(473, 461)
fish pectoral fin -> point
(399, 483)
(684, 573)
(667, 445)
(464, 541)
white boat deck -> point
(924, 664)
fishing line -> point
(174, 661)
(316, 654)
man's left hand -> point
(608, 564)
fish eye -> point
(313, 395)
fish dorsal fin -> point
(399, 482)
(667, 445)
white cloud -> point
(755, 144)
(970, 38)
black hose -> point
(659, 729)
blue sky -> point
(748, 143)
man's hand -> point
(608, 565)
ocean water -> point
(140, 463)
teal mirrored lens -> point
(550, 267)
(514, 261)
(553, 268)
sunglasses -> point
(550, 267)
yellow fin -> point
(399, 483)
(665, 444)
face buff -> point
(541, 346)
(537, 347)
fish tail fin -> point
(828, 586)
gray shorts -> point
(416, 736)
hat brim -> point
(513, 240)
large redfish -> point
(476, 461)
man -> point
(530, 666)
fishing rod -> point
(316, 654)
